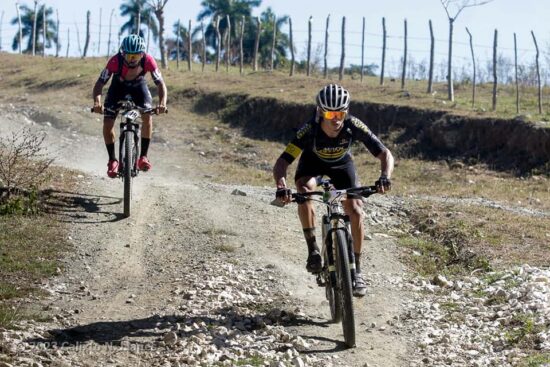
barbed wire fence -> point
(387, 52)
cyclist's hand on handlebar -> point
(97, 108)
(160, 109)
(283, 195)
(383, 184)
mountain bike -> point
(338, 272)
(129, 140)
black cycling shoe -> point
(314, 262)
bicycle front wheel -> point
(128, 167)
(329, 273)
(345, 287)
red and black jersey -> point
(119, 68)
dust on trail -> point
(129, 280)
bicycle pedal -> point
(320, 280)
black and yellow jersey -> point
(310, 137)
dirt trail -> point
(128, 279)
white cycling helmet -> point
(333, 97)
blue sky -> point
(508, 16)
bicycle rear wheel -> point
(345, 286)
(128, 167)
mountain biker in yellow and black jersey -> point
(128, 68)
(323, 144)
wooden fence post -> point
(34, 28)
(308, 66)
(516, 72)
(218, 41)
(538, 73)
(273, 43)
(241, 52)
(363, 50)
(291, 47)
(474, 66)
(99, 33)
(78, 38)
(343, 56)
(495, 71)
(109, 40)
(20, 28)
(87, 42)
(1, 25)
(257, 43)
(178, 45)
(431, 72)
(228, 44)
(383, 51)
(138, 19)
(57, 46)
(404, 74)
(148, 30)
(325, 69)
(189, 48)
(203, 47)
(68, 41)
(44, 30)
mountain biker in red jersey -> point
(324, 143)
(128, 68)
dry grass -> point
(79, 75)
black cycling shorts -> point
(342, 174)
(118, 90)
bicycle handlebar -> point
(362, 191)
(146, 110)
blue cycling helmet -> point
(133, 44)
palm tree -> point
(266, 39)
(236, 9)
(130, 9)
(27, 20)
(171, 44)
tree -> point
(236, 9)
(158, 8)
(458, 6)
(266, 38)
(130, 9)
(183, 44)
(27, 19)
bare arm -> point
(97, 91)
(279, 173)
(163, 93)
(386, 163)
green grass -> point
(536, 360)
(522, 331)
(29, 251)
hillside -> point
(208, 273)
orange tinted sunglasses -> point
(330, 115)
(133, 57)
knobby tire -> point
(345, 286)
(331, 292)
(128, 166)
